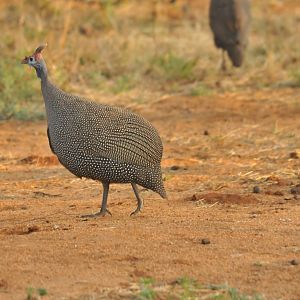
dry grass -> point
(112, 49)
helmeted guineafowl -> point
(230, 23)
(101, 142)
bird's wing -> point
(120, 135)
(229, 20)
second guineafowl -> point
(230, 23)
(101, 142)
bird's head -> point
(36, 61)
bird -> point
(230, 23)
(105, 143)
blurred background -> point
(230, 164)
(138, 51)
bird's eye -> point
(31, 58)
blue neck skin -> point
(41, 70)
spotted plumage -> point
(101, 142)
(230, 23)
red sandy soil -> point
(209, 177)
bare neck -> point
(41, 71)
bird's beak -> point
(25, 60)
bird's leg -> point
(103, 211)
(138, 198)
(223, 62)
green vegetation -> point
(19, 93)
(146, 289)
(295, 76)
(200, 90)
(185, 288)
(171, 67)
(34, 294)
(107, 46)
(224, 292)
(189, 288)
(122, 84)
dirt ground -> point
(217, 149)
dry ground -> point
(209, 178)
(218, 147)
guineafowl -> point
(230, 23)
(101, 142)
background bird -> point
(230, 23)
(101, 142)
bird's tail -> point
(151, 178)
(162, 192)
(236, 55)
(159, 188)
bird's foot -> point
(138, 209)
(100, 213)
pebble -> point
(256, 190)
(295, 190)
(294, 155)
(206, 132)
(32, 228)
(278, 193)
(3, 284)
(294, 262)
(205, 241)
(175, 168)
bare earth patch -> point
(217, 149)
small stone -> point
(3, 284)
(205, 241)
(193, 198)
(278, 193)
(32, 228)
(294, 262)
(294, 155)
(175, 168)
(206, 132)
(256, 190)
(256, 212)
(295, 190)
